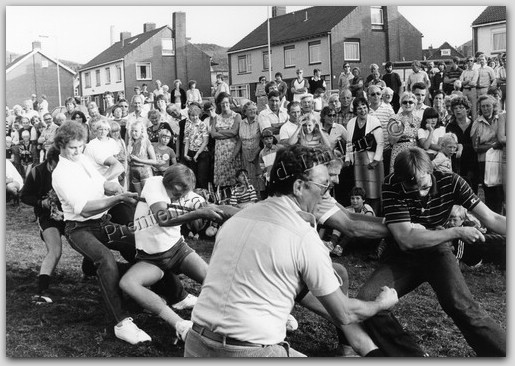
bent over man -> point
(264, 258)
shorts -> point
(46, 222)
(140, 173)
(169, 260)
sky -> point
(79, 33)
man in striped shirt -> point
(417, 203)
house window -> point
(266, 62)
(143, 71)
(167, 47)
(445, 52)
(289, 56)
(351, 51)
(97, 77)
(108, 75)
(314, 52)
(118, 74)
(87, 79)
(44, 64)
(376, 16)
(241, 90)
(499, 40)
(244, 64)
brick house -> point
(443, 53)
(322, 37)
(163, 54)
(489, 31)
(36, 73)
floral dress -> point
(225, 168)
(409, 136)
(250, 137)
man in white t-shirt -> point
(253, 282)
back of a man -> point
(252, 283)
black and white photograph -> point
(255, 181)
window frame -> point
(290, 48)
(445, 52)
(108, 75)
(87, 80)
(98, 79)
(376, 25)
(119, 73)
(315, 43)
(494, 32)
(265, 54)
(172, 49)
(248, 64)
(349, 42)
(138, 73)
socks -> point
(43, 282)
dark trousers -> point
(200, 168)
(405, 271)
(494, 196)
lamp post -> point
(57, 66)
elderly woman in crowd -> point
(196, 138)
(465, 161)
(357, 83)
(225, 130)
(484, 137)
(178, 95)
(403, 127)
(366, 136)
(249, 137)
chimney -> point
(124, 36)
(112, 34)
(148, 27)
(36, 45)
(179, 27)
(278, 11)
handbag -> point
(493, 167)
(367, 142)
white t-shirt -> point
(150, 237)
(287, 130)
(98, 151)
(423, 134)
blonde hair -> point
(447, 138)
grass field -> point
(74, 325)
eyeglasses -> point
(347, 66)
(323, 188)
(408, 102)
(470, 60)
(47, 119)
(373, 94)
(331, 115)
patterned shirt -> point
(195, 133)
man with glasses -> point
(417, 203)
(383, 112)
(345, 77)
(468, 80)
(276, 258)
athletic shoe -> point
(291, 323)
(187, 303)
(344, 350)
(477, 265)
(42, 298)
(182, 328)
(129, 332)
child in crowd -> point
(430, 132)
(115, 134)
(243, 193)
(164, 154)
(466, 253)
(449, 145)
(267, 156)
(357, 200)
(310, 134)
(141, 157)
(318, 101)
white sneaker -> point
(291, 323)
(182, 328)
(129, 332)
(187, 303)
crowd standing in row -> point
(398, 150)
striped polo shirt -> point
(403, 205)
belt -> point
(406, 140)
(467, 87)
(221, 338)
(481, 87)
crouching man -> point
(264, 257)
